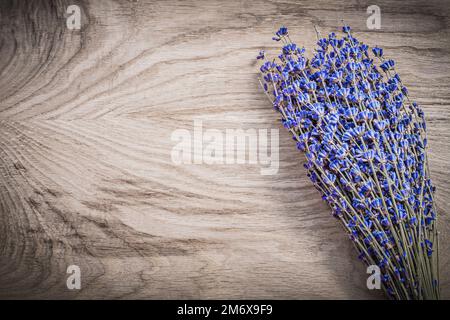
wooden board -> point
(86, 174)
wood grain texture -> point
(86, 119)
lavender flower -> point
(365, 147)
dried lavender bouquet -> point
(365, 146)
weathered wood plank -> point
(86, 119)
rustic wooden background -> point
(86, 119)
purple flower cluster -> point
(365, 145)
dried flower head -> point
(365, 146)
